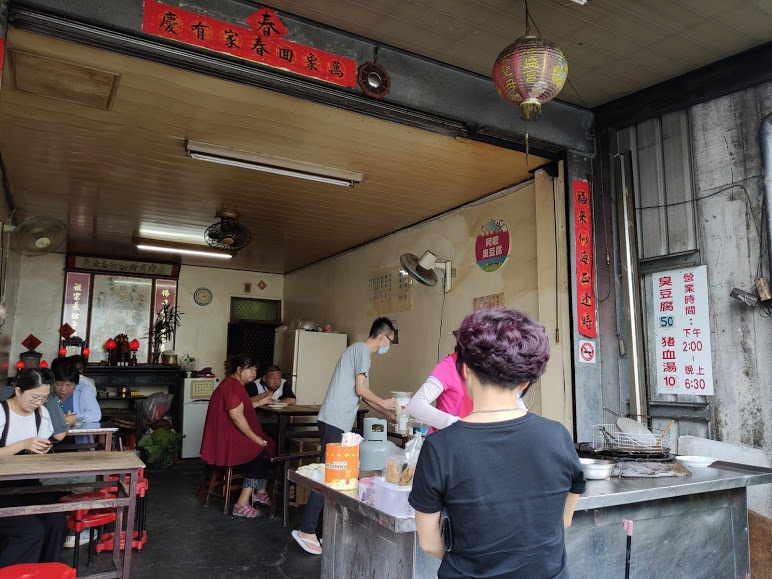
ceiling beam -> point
(424, 93)
(732, 74)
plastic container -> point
(401, 397)
(392, 499)
(367, 490)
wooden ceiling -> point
(98, 140)
(613, 47)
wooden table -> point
(101, 431)
(100, 462)
(286, 432)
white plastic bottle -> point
(402, 419)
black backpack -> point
(7, 410)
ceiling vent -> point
(64, 81)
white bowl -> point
(596, 469)
(277, 405)
(696, 461)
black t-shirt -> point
(504, 488)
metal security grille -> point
(253, 339)
(255, 310)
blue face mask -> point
(384, 349)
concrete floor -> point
(189, 541)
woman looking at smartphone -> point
(25, 426)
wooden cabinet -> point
(144, 378)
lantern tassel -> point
(530, 110)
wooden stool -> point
(219, 477)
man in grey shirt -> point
(349, 384)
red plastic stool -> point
(92, 520)
(38, 571)
(139, 536)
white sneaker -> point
(69, 542)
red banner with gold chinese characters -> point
(262, 43)
(2, 54)
(585, 298)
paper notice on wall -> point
(390, 290)
(682, 331)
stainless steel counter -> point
(719, 476)
(694, 526)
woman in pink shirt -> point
(447, 387)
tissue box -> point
(392, 499)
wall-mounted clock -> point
(203, 296)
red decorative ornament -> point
(66, 331)
(529, 73)
(19, 365)
(134, 344)
(110, 344)
(43, 364)
(62, 351)
(31, 342)
(86, 351)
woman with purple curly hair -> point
(506, 480)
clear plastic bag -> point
(401, 462)
(396, 461)
(412, 450)
(157, 405)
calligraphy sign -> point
(585, 298)
(76, 302)
(165, 294)
(492, 245)
(682, 331)
(262, 43)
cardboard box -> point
(298, 495)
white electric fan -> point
(422, 269)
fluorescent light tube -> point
(580, 2)
(274, 165)
(172, 247)
(185, 251)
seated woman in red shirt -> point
(233, 435)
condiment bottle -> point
(402, 419)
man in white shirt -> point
(271, 385)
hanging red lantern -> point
(134, 344)
(62, 351)
(110, 344)
(529, 73)
(43, 364)
(19, 365)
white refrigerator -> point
(195, 402)
(307, 360)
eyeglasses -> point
(391, 340)
(37, 399)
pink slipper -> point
(262, 498)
